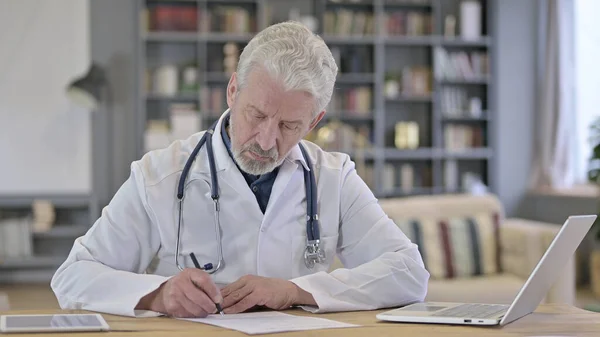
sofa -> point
(4, 302)
(472, 251)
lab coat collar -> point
(224, 160)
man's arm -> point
(383, 267)
(104, 270)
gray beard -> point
(253, 167)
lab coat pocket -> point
(328, 244)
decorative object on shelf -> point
(406, 135)
(475, 109)
(472, 184)
(44, 215)
(189, 79)
(166, 79)
(391, 87)
(450, 26)
(470, 19)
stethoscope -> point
(312, 253)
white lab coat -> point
(130, 250)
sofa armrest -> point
(523, 242)
(4, 305)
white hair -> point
(292, 53)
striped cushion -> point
(456, 247)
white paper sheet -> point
(255, 323)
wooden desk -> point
(548, 320)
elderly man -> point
(247, 214)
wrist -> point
(151, 301)
(303, 297)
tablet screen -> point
(53, 321)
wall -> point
(515, 60)
(44, 140)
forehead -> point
(270, 97)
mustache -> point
(272, 153)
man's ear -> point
(232, 89)
(316, 120)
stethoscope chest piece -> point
(313, 254)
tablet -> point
(52, 323)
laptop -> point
(544, 275)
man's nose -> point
(267, 136)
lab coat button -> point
(263, 230)
(254, 188)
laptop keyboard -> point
(473, 310)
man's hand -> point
(191, 293)
(250, 291)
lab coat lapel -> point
(288, 171)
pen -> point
(197, 265)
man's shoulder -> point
(157, 165)
(326, 159)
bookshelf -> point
(411, 87)
(30, 255)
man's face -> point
(266, 121)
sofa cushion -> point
(456, 247)
(500, 288)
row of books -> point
(461, 64)
(456, 102)
(353, 59)
(357, 101)
(411, 81)
(226, 19)
(464, 180)
(15, 238)
(337, 136)
(461, 137)
(345, 22)
(408, 23)
(213, 100)
(184, 120)
(405, 177)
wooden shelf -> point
(476, 153)
(62, 231)
(58, 200)
(31, 262)
(419, 153)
